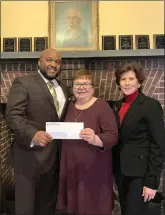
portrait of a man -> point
(73, 25)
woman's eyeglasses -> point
(84, 85)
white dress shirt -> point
(60, 95)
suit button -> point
(141, 157)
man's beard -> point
(50, 78)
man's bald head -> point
(50, 63)
(50, 51)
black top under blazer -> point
(141, 148)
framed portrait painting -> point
(73, 25)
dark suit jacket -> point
(141, 148)
(30, 105)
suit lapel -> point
(133, 110)
(42, 83)
(116, 108)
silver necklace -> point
(77, 116)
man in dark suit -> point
(35, 155)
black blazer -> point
(141, 148)
(30, 105)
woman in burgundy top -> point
(86, 180)
(138, 158)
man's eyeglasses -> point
(85, 85)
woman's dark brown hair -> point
(83, 74)
(133, 66)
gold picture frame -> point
(73, 25)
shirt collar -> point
(46, 80)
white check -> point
(64, 130)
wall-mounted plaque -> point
(25, 44)
(142, 41)
(109, 42)
(40, 43)
(125, 41)
(159, 41)
(9, 44)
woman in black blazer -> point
(139, 156)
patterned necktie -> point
(54, 95)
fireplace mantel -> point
(88, 54)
